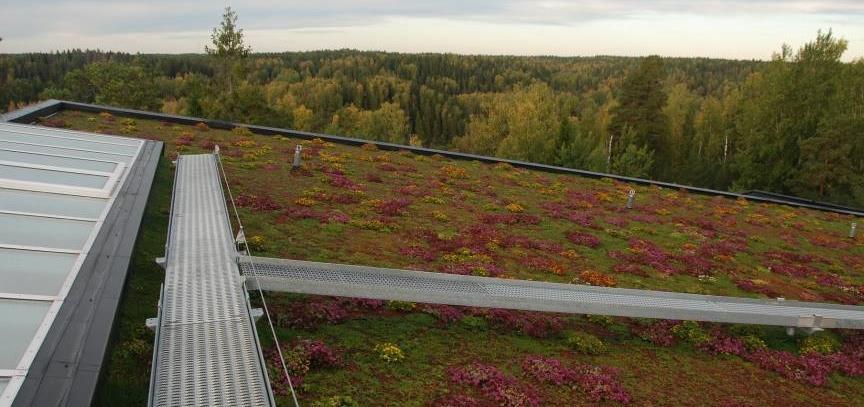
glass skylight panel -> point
(65, 151)
(51, 204)
(55, 187)
(46, 176)
(20, 320)
(55, 132)
(57, 161)
(69, 143)
(22, 230)
(33, 272)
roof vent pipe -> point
(297, 151)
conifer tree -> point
(640, 108)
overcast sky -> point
(741, 29)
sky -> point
(735, 29)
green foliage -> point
(256, 243)
(423, 336)
(131, 348)
(680, 112)
(336, 401)
(405, 306)
(110, 83)
(135, 352)
(797, 132)
(753, 342)
(580, 151)
(585, 343)
(227, 39)
(792, 125)
(388, 123)
(602, 320)
(640, 108)
(820, 342)
(242, 132)
(474, 323)
(389, 352)
(634, 162)
(245, 103)
(228, 48)
(831, 165)
(297, 361)
(522, 125)
(690, 332)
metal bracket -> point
(151, 323)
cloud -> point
(127, 24)
(104, 16)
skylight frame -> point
(79, 158)
(86, 150)
(111, 179)
(82, 136)
(108, 192)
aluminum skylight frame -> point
(108, 192)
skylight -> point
(56, 187)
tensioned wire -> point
(255, 275)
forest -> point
(794, 124)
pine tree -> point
(640, 108)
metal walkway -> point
(207, 351)
(407, 285)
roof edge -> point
(49, 107)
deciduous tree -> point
(228, 47)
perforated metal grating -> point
(408, 285)
(206, 352)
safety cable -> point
(255, 275)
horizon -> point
(355, 50)
(737, 30)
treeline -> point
(792, 125)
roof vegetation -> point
(362, 205)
